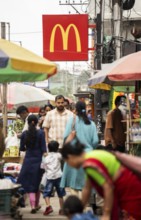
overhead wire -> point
(28, 32)
(136, 12)
(97, 3)
(83, 4)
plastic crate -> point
(5, 201)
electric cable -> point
(83, 4)
(137, 12)
(23, 33)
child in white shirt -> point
(53, 173)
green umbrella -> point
(20, 65)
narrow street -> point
(39, 216)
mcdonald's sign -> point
(65, 37)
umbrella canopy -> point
(123, 72)
(18, 94)
(20, 65)
(129, 68)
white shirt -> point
(25, 128)
(52, 165)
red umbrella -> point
(122, 72)
(129, 69)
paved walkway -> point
(39, 216)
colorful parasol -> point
(123, 72)
(20, 65)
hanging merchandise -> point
(128, 4)
(12, 145)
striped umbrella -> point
(20, 65)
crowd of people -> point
(62, 151)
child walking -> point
(53, 172)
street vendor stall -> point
(20, 65)
(16, 65)
(123, 72)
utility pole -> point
(117, 18)
(99, 43)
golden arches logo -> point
(65, 36)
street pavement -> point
(39, 215)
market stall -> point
(17, 65)
(20, 65)
(123, 72)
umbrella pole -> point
(128, 122)
(4, 109)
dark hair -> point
(59, 97)
(41, 108)
(72, 149)
(81, 112)
(72, 106)
(21, 109)
(31, 133)
(66, 100)
(118, 99)
(49, 105)
(53, 146)
(72, 205)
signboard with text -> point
(65, 37)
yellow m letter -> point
(65, 36)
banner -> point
(65, 37)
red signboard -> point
(65, 37)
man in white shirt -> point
(56, 120)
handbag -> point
(129, 161)
(72, 134)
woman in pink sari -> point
(119, 186)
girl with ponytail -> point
(33, 142)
